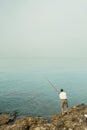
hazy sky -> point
(43, 28)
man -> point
(64, 101)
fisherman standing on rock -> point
(64, 101)
(63, 98)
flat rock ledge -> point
(75, 120)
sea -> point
(24, 86)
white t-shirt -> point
(63, 95)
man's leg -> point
(67, 107)
(62, 106)
(62, 110)
(67, 110)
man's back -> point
(63, 95)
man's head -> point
(61, 90)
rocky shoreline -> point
(75, 120)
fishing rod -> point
(53, 86)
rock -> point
(6, 118)
(16, 127)
(47, 126)
(75, 120)
(36, 121)
(55, 117)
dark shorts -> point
(64, 102)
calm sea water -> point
(24, 87)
